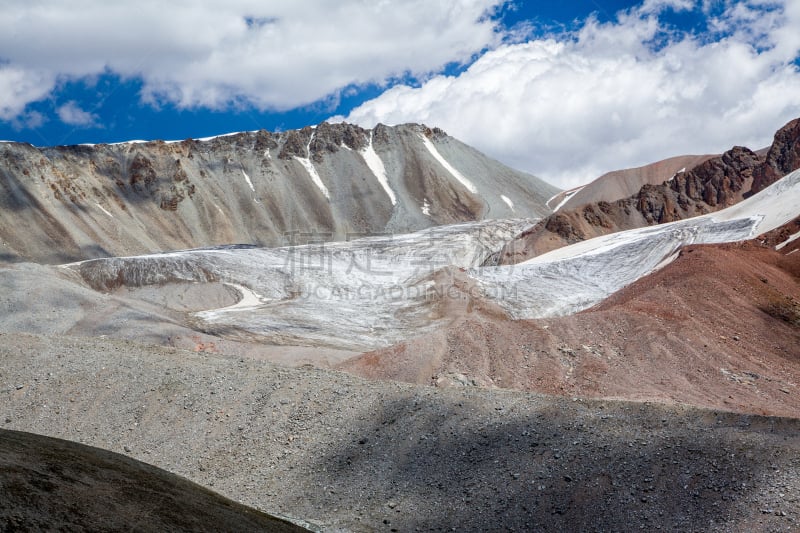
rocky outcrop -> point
(330, 138)
(782, 158)
(296, 143)
(718, 182)
(328, 182)
(712, 185)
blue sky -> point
(565, 90)
(121, 115)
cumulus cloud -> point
(625, 93)
(70, 113)
(272, 55)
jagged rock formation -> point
(716, 183)
(325, 183)
(783, 156)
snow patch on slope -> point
(375, 164)
(247, 179)
(681, 171)
(442, 161)
(567, 195)
(790, 240)
(205, 139)
(103, 209)
(249, 301)
(133, 141)
(312, 171)
(508, 202)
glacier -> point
(375, 291)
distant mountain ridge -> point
(715, 183)
(328, 182)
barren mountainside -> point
(719, 327)
(354, 455)
(330, 182)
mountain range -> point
(386, 329)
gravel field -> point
(349, 454)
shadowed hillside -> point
(55, 485)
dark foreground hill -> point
(49, 484)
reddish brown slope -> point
(718, 328)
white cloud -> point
(273, 55)
(70, 113)
(569, 108)
(19, 86)
(29, 120)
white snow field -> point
(361, 294)
(375, 291)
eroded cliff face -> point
(331, 182)
(714, 184)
